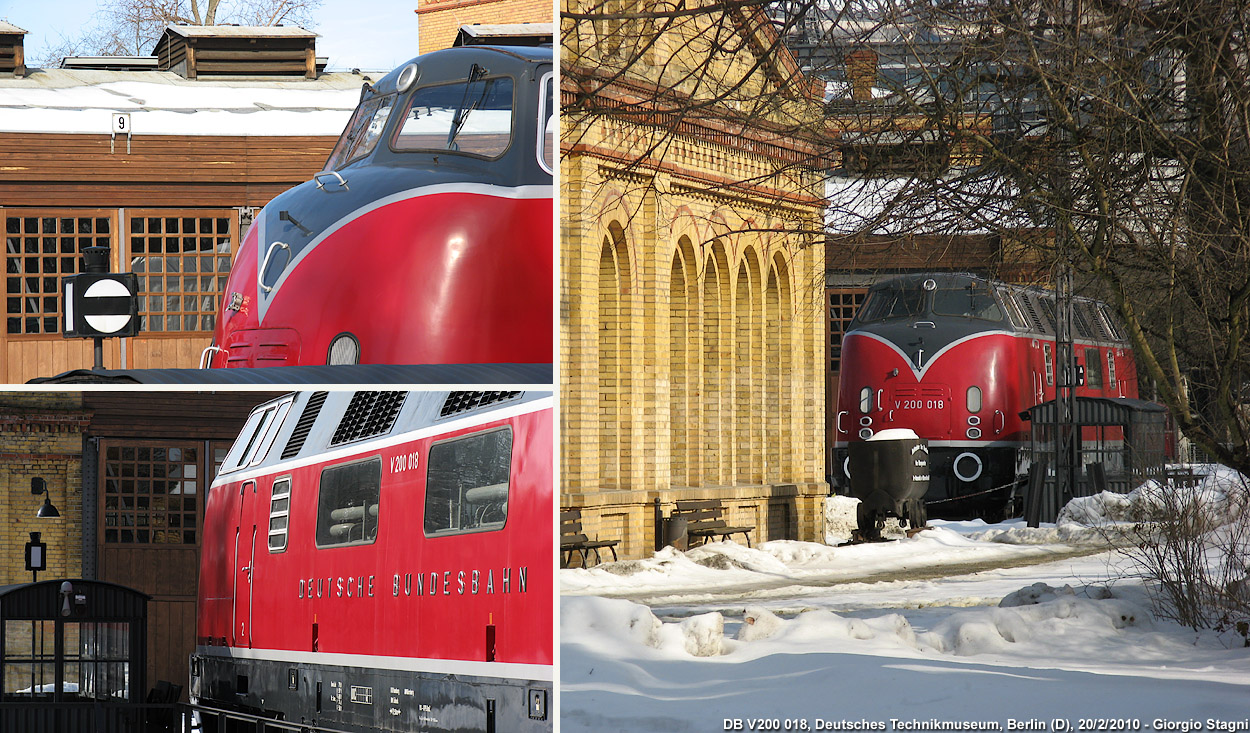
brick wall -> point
(41, 435)
(691, 333)
(440, 20)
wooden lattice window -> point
(182, 259)
(151, 494)
(41, 247)
(842, 306)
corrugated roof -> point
(10, 28)
(248, 31)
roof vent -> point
(196, 51)
(461, 402)
(369, 414)
(304, 426)
(12, 53)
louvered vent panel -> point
(1030, 308)
(1079, 320)
(369, 414)
(460, 402)
(304, 426)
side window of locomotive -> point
(1111, 381)
(969, 301)
(279, 514)
(547, 125)
(1093, 369)
(1049, 355)
(472, 117)
(466, 485)
(348, 503)
(358, 131)
(373, 132)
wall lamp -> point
(47, 511)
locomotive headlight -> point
(974, 399)
(407, 76)
(865, 399)
(967, 467)
(865, 434)
(344, 349)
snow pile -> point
(1037, 615)
(1219, 496)
(840, 521)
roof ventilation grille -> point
(369, 414)
(461, 402)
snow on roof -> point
(10, 28)
(500, 30)
(249, 31)
(83, 101)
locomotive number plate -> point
(923, 404)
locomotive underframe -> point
(366, 699)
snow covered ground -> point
(979, 624)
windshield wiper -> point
(476, 73)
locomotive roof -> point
(448, 63)
(1029, 308)
(317, 424)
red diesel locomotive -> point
(381, 561)
(956, 358)
(427, 237)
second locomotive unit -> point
(956, 358)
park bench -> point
(572, 540)
(704, 520)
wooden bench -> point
(1183, 477)
(704, 520)
(573, 541)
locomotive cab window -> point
(889, 303)
(348, 503)
(362, 133)
(969, 301)
(473, 117)
(467, 483)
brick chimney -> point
(861, 72)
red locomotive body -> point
(427, 238)
(382, 561)
(956, 358)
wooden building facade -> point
(170, 188)
(129, 473)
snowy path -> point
(851, 638)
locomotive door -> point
(244, 561)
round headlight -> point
(344, 349)
(407, 76)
